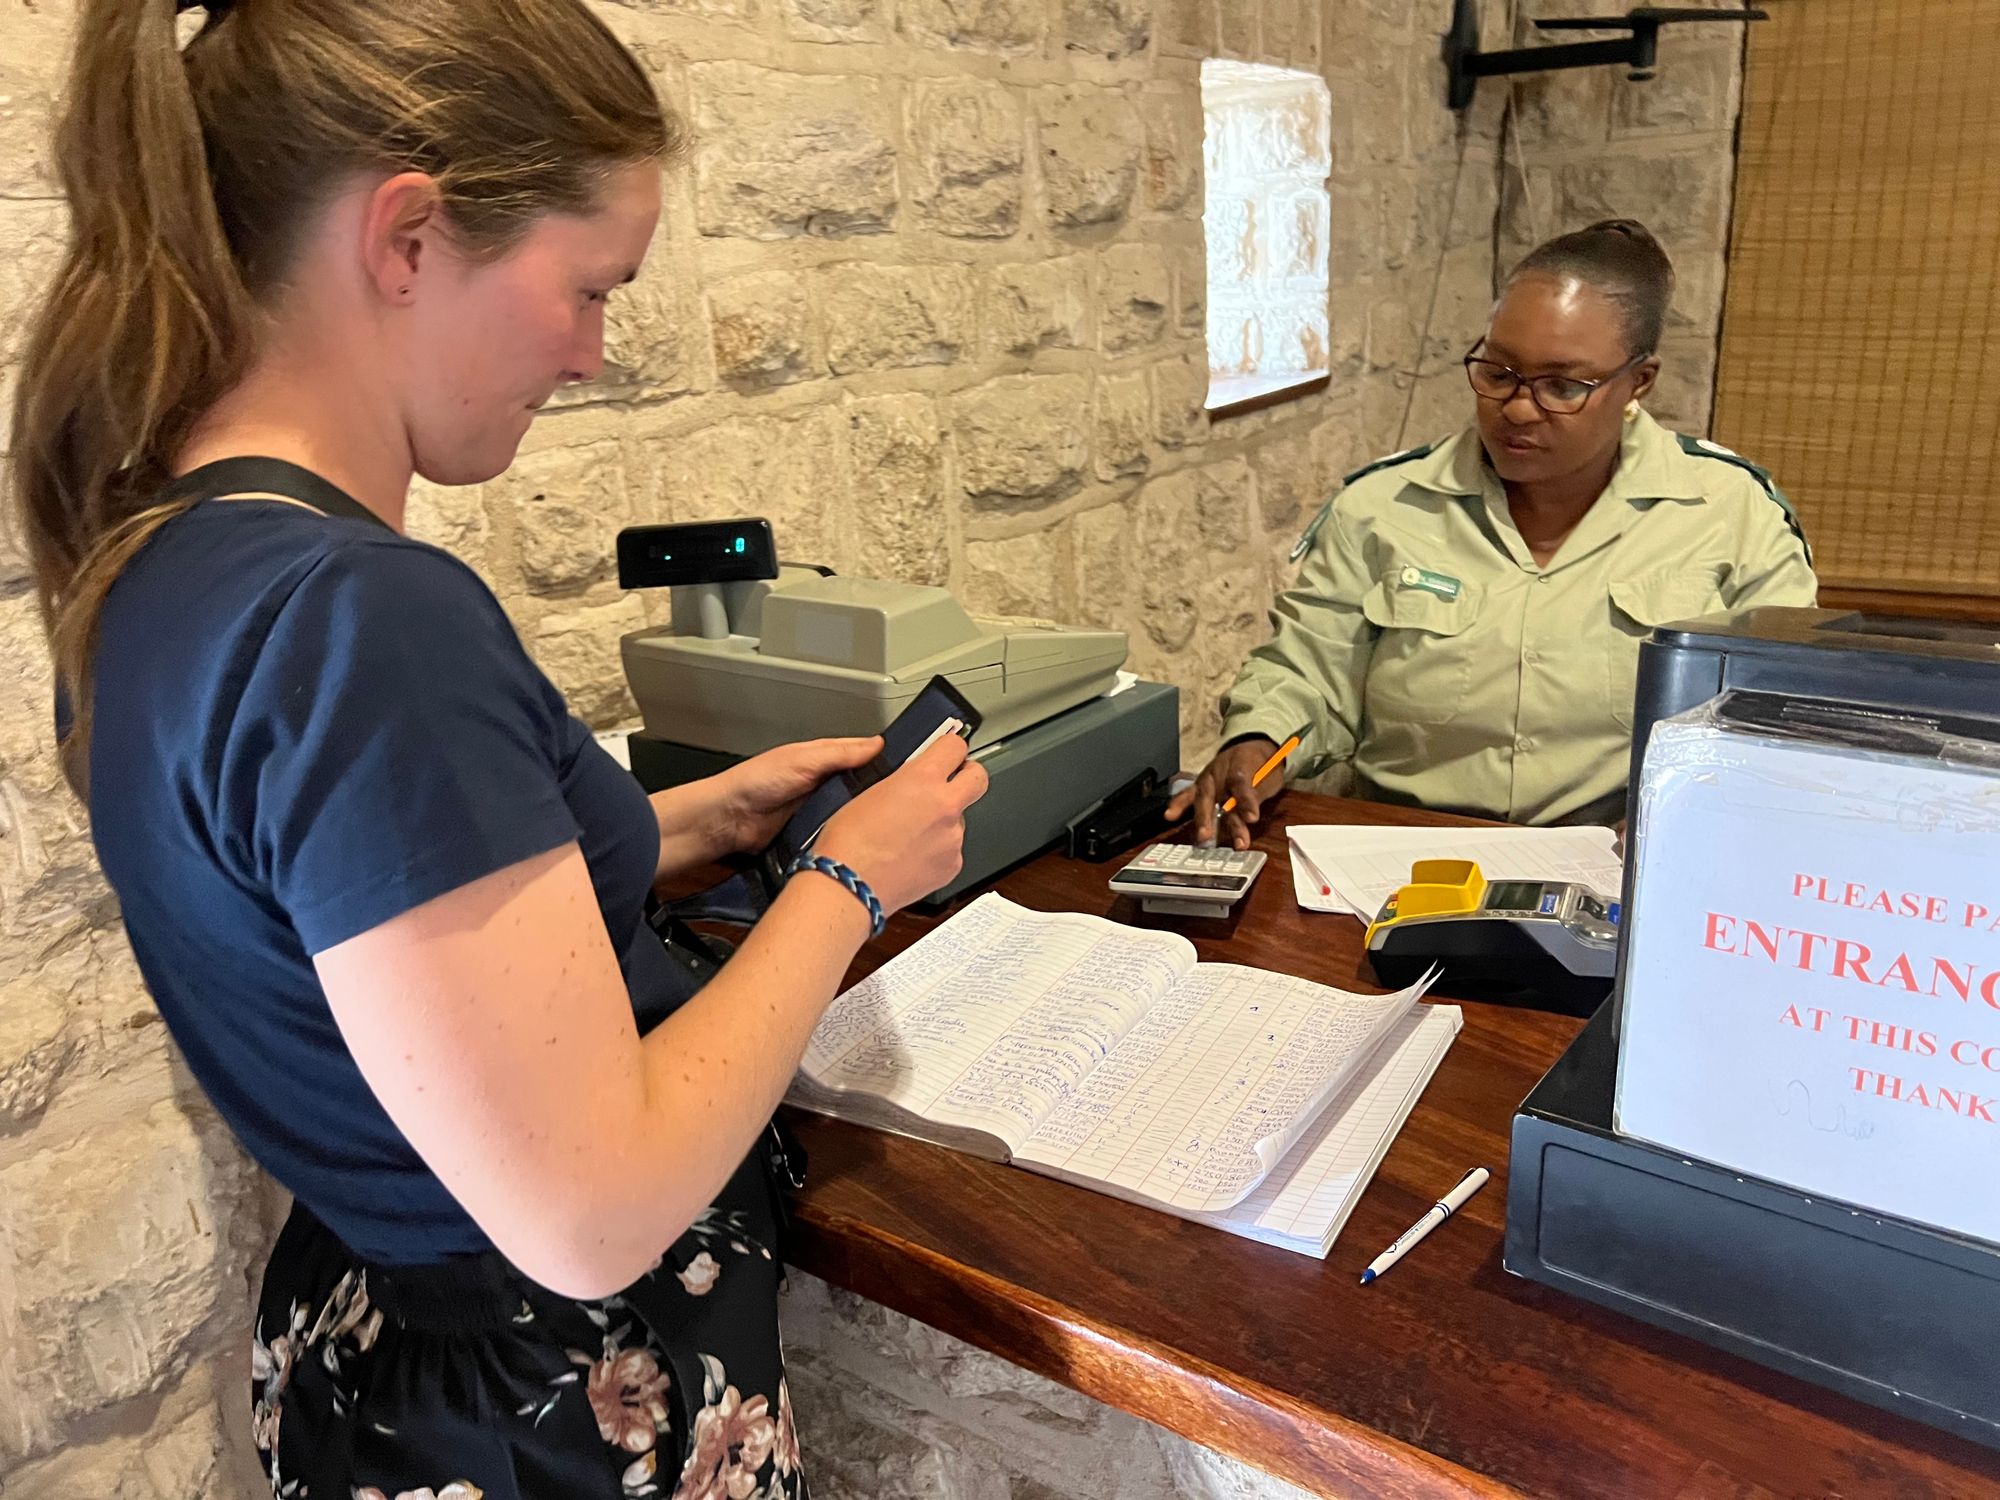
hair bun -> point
(1621, 259)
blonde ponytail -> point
(146, 324)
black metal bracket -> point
(1637, 50)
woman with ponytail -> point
(1464, 633)
(386, 891)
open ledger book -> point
(1106, 1056)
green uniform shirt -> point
(1423, 643)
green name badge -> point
(1444, 586)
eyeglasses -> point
(1558, 395)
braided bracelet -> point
(833, 869)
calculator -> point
(1179, 880)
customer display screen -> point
(1513, 895)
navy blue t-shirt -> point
(305, 726)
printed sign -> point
(1812, 992)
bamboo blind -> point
(1861, 335)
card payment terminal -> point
(1549, 945)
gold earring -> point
(1632, 408)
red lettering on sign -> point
(1899, 971)
(1941, 968)
(1845, 960)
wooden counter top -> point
(1446, 1377)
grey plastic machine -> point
(845, 656)
(759, 654)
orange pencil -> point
(1266, 769)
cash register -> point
(1902, 1315)
(758, 653)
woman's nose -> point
(587, 357)
(1520, 408)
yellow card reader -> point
(1551, 945)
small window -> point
(1268, 152)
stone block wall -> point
(1591, 144)
(930, 293)
(890, 1409)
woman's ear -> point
(399, 229)
(1644, 376)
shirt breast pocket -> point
(1422, 667)
(1641, 604)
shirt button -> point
(1525, 742)
(1532, 658)
(1541, 578)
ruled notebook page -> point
(987, 1022)
(1306, 1200)
(1206, 1094)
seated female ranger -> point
(1465, 629)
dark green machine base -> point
(1038, 780)
(1888, 1312)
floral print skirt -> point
(465, 1381)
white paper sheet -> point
(1367, 865)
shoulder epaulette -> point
(1305, 543)
(1696, 447)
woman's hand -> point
(1228, 775)
(744, 807)
(905, 835)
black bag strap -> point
(269, 476)
(248, 476)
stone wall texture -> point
(1591, 144)
(890, 1409)
(930, 293)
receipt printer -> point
(1551, 945)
